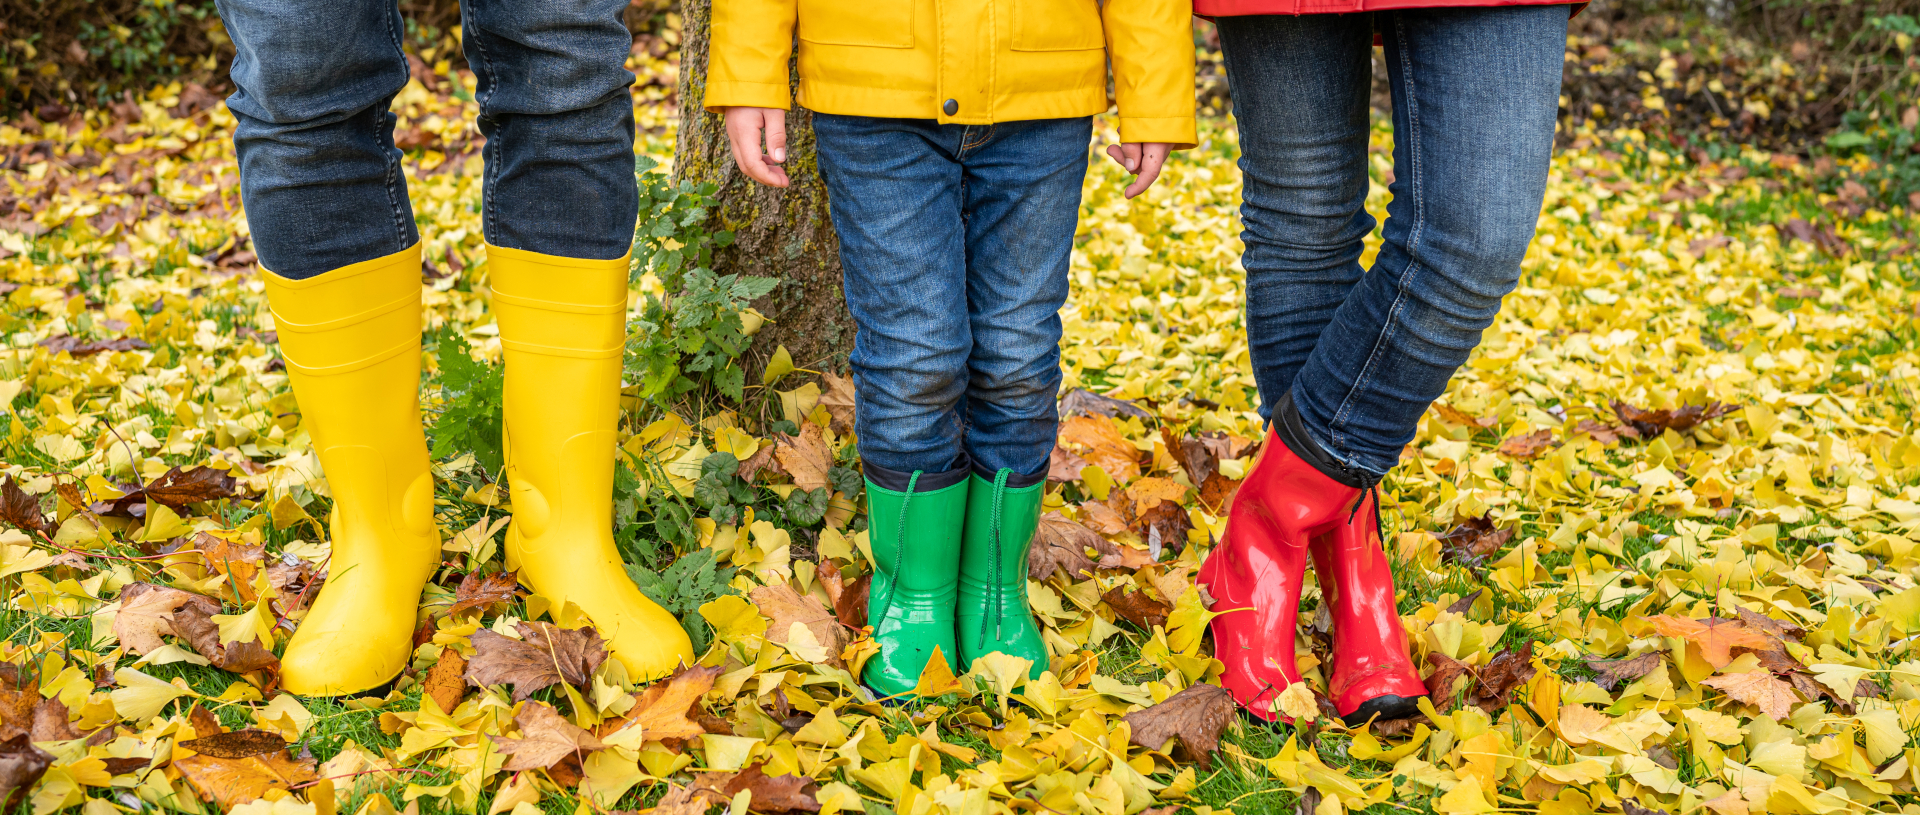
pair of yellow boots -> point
(351, 338)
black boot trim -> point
(896, 481)
(1384, 708)
(1014, 482)
(1292, 431)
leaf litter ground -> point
(1656, 543)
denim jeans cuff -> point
(1292, 430)
(897, 481)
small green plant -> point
(693, 336)
(691, 581)
(470, 415)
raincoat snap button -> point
(951, 107)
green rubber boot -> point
(993, 611)
(915, 536)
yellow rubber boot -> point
(351, 338)
(563, 326)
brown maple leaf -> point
(546, 738)
(1454, 415)
(21, 765)
(176, 489)
(85, 348)
(1778, 629)
(1098, 440)
(851, 606)
(678, 801)
(1758, 688)
(1473, 542)
(445, 682)
(1605, 433)
(17, 703)
(1444, 680)
(1527, 446)
(1716, 636)
(1195, 716)
(661, 711)
(147, 613)
(484, 592)
(805, 457)
(1651, 423)
(1064, 465)
(1507, 671)
(1613, 672)
(237, 744)
(784, 607)
(1083, 402)
(1059, 545)
(770, 793)
(194, 623)
(1134, 606)
(838, 400)
(546, 656)
(52, 722)
(21, 510)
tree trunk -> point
(783, 234)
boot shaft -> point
(916, 535)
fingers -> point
(776, 122)
(1125, 155)
(1151, 157)
(744, 127)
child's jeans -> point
(955, 240)
(319, 173)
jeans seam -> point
(491, 152)
(398, 203)
(1413, 239)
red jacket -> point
(1238, 8)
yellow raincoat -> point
(962, 61)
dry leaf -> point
(147, 612)
(1716, 636)
(838, 400)
(446, 682)
(661, 712)
(21, 765)
(1473, 542)
(176, 489)
(771, 794)
(1083, 402)
(547, 656)
(805, 457)
(22, 511)
(1651, 423)
(1613, 672)
(1136, 607)
(1195, 716)
(1098, 440)
(1059, 545)
(237, 744)
(784, 607)
(1758, 688)
(230, 782)
(484, 593)
(545, 739)
(1527, 446)
(1507, 671)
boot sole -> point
(1384, 708)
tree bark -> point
(783, 234)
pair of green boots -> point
(950, 576)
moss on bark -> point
(783, 234)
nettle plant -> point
(694, 335)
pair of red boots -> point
(1286, 510)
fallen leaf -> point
(1507, 671)
(237, 744)
(446, 682)
(784, 607)
(147, 613)
(1613, 672)
(484, 593)
(661, 711)
(79, 348)
(1133, 605)
(1059, 545)
(770, 793)
(53, 722)
(21, 765)
(1473, 542)
(547, 656)
(1083, 402)
(1443, 681)
(1606, 433)
(20, 510)
(1098, 440)
(230, 782)
(1195, 716)
(1758, 688)
(850, 608)
(805, 457)
(176, 489)
(1527, 446)
(545, 739)
(1454, 415)
(1716, 636)
(1651, 423)
(838, 400)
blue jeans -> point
(1475, 95)
(954, 240)
(320, 176)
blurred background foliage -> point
(1832, 81)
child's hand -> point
(1143, 159)
(744, 126)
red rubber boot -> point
(1372, 676)
(1254, 575)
